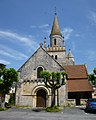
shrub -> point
(12, 99)
(53, 109)
(1, 109)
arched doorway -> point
(41, 98)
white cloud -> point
(44, 26)
(4, 62)
(5, 51)
(22, 39)
(40, 26)
(67, 33)
(92, 17)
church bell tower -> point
(57, 49)
(56, 39)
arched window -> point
(56, 57)
(39, 71)
(54, 41)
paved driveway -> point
(37, 114)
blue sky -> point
(25, 23)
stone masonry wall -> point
(28, 72)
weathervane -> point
(55, 11)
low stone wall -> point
(83, 101)
(94, 93)
(71, 102)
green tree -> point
(7, 77)
(92, 77)
(54, 81)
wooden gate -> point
(41, 98)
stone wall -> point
(28, 78)
(40, 58)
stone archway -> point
(41, 98)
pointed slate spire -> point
(70, 54)
(55, 28)
(70, 57)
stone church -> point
(31, 90)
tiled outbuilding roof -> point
(78, 78)
(79, 86)
(76, 71)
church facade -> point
(31, 90)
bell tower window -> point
(55, 57)
(52, 56)
(54, 41)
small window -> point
(56, 57)
(39, 71)
(52, 56)
(54, 41)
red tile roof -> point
(79, 86)
(76, 71)
(77, 78)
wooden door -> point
(41, 98)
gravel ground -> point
(40, 114)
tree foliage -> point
(53, 81)
(7, 77)
(92, 77)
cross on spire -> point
(55, 11)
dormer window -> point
(54, 41)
